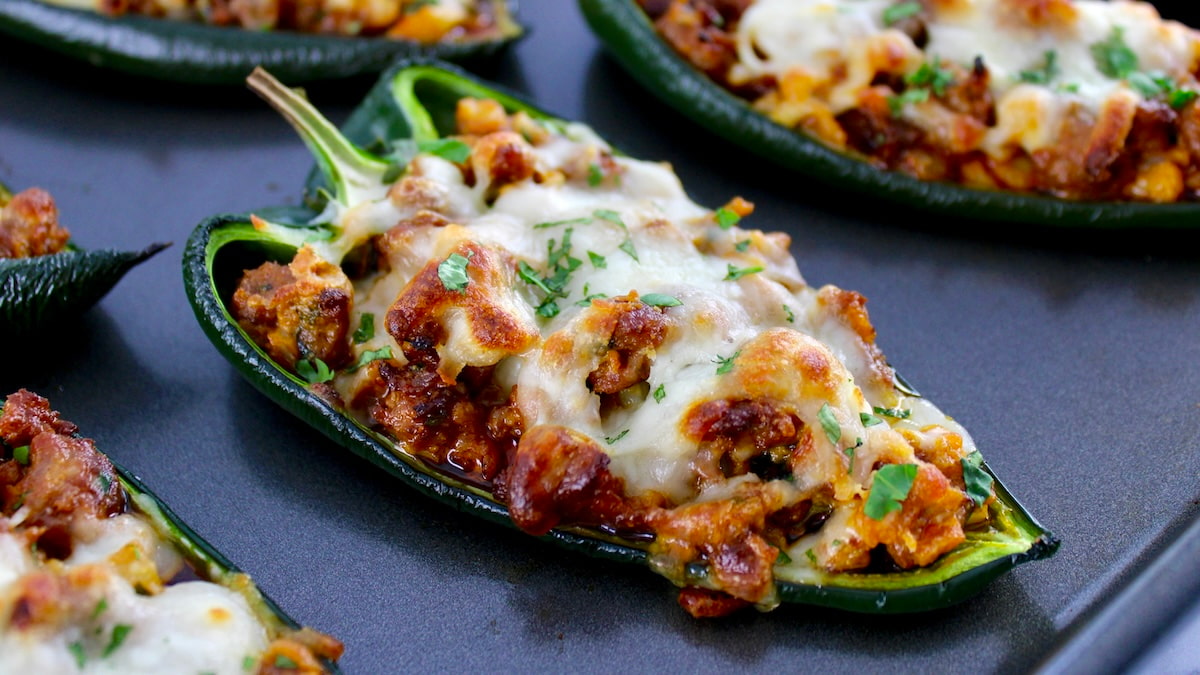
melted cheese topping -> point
(839, 43)
(778, 338)
(100, 592)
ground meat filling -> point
(29, 226)
(415, 20)
(296, 312)
(61, 478)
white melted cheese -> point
(670, 235)
(190, 627)
(832, 39)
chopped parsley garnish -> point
(21, 455)
(896, 103)
(660, 393)
(784, 558)
(1046, 72)
(249, 662)
(76, 649)
(587, 299)
(726, 218)
(812, 557)
(829, 422)
(1179, 98)
(661, 300)
(734, 273)
(1113, 57)
(613, 439)
(100, 607)
(119, 633)
(449, 149)
(849, 452)
(933, 76)
(553, 285)
(285, 663)
(901, 11)
(313, 371)
(453, 272)
(725, 364)
(595, 175)
(571, 221)
(894, 413)
(787, 312)
(369, 356)
(598, 261)
(869, 420)
(742, 245)
(978, 481)
(103, 481)
(891, 486)
(615, 218)
(366, 328)
(1150, 85)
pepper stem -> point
(356, 176)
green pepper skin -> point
(631, 39)
(36, 293)
(216, 55)
(222, 247)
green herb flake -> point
(894, 413)
(366, 328)
(978, 481)
(1149, 85)
(609, 215)
(900, 11)
(933, 76)
(449, 149)
(103, 481)
(1044, 73)
(587, 300)
(548, 309)
(1113, 57)
(249, 662)
(100, 608)
(284, 663)
(734, 273)
(21, 455)
(598, 261)
(849, 452)
(890, 487)
(453, 272)
(837, 542)
(742, 245)
(896, 103)
(595, 175)
(787, 313)
(369, 356)
(829, 422)
(613, 439)
(784, 558)
(584, 220)
(119, 633)
(313, 371)
(1179, 98)
(811, 555)
(725, 365)
(726, 218)
(660, 392)
(76, 649)
(869, 420)
(661, 300)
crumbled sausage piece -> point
(298, 311)
(29, 226)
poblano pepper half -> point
(412, 107)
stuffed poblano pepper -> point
(44, 279)
(96, 575)
(221, 42)
(1066, 113)
(497, 307)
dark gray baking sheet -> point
(1073, 358)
